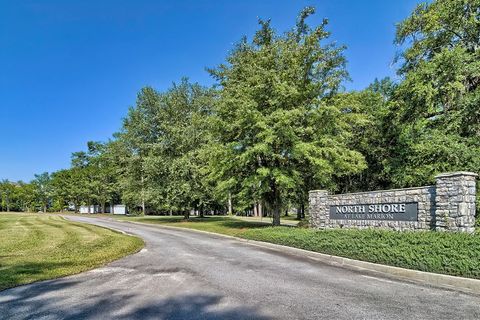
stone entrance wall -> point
(449, 205)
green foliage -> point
(278, 124)
(39, 247)
(436, 105)
(448, 253)
(91, 179)
(67, 187)
(43, 189)
(161, 141)
(6, 194)
(370, 137)
(279, 127)
(304, 224)
(28, 197)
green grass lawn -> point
(218, 224)
(292, 217)
(37, 247)
(448, 253)
(286, 221)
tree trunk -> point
(201, 211)
(103, 206)
(230, 208)
(143, 195)
(276, 207)
(301, 212)
(276, 214)
(186, 214)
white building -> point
(93, 209)
(115, 209)
(118, 209)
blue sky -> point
(69, 70)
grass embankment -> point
(38, 247)
(455, 254)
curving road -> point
(187, 275)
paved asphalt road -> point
(186, 275)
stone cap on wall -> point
(320, 190)
(383, 191)
(457, 173)
(373, 191)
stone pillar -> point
(318, 208)
(455, 202)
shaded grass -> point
(292, 217)
(455, 254)
(37, 247)
(222, 225)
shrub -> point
(455, 254)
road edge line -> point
(466, 285)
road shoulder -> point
(466, 285)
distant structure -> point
(89, 209)
(118, 209)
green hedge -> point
(455, 254)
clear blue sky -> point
(69, 70)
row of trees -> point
(89, 181)
(21, 196)
(278, 124)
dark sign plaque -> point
(399, 211)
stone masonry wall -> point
(449, 205)
(455, 202)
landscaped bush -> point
(448, 253)
(477, 218)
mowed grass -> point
(455, 254)
(37, 247)
(218, 224)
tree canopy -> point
(278, 123)
(436, 105)
(280, 128)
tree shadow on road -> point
(193, 307)
(34, 301)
